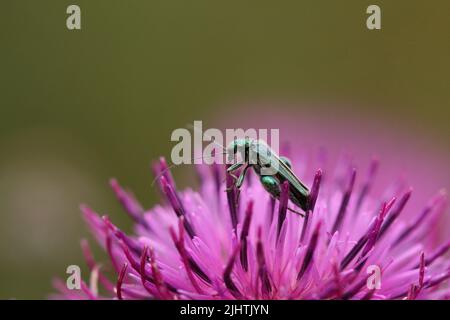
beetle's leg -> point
(299, 213)
(235, 167)
(235, 178)
(230, 170)
(240, 180)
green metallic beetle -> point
(272, 170)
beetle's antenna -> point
(174, 165)
(206, 135)
(190, 126)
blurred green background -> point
(78, 107)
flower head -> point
(223, 243)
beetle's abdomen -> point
(298, 198)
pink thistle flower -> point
(221, 243)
